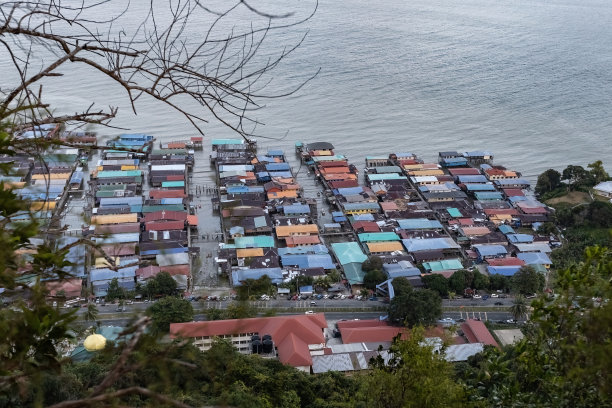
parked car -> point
(511, 321)
(313, 303)
(485, 297)
(494, 295)
(373, 298)
(504, 296)
(530, 296)
(477, 297)
(309, 312)
(499, 303)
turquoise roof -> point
(444, 265)
(353, 272)
(348, 252)
(378, 237)
(173, 184)
(454, 212)
(216, 142)
(256, 241)
(335, 157)
(419, 223)
(386, 176)
(119, 173)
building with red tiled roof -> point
(368, 331)
(294, 337)
(476, 332)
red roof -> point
(466, 221)
(147, 272)
(302, 240)
(366, 226)
(164, 225)
(166, 215)
(477, 332)
(334, 163)
(197, 139)
(175, 177)
(501, 211)
(159, 194)
(343, 183)
(290, 334)
(510, 261)
(534, 210)
(371, 334)
(513, 192)
(175, 269)
(388, 206)
(118, 228)
(351, 324)
(71, 287)
(469, 171)
(192, 220)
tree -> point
(519, 307)
(418, 307)
(254, 287)
(373, 263)
(415, 376)
(499, 282)
(372, 278)
(576, 176)
(437, 283)
(600, 214)
(114, 291)
(161, 285)
(480, 281)
(527, 281)
(548, 181)
(169, 310)
(401, 286)
(598, 172)
(460, 280)
(91, 314)
(240, 310)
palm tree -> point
(91, 314)
(519, 307)
(451, 295)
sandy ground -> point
(509, 336)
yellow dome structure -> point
(94, 342)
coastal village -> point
(135, 201)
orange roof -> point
(71, 287)
(249, 252)
(282, 194)
(192, 220)
(475, 231)
(287, 230)
(372, 334)
(351, 324)
(385, 246)
(477, 332)
(291, 334)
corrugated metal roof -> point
(378, 236)
(444, 265)
(490, 250)
(428, 244)
(376, 247)
(240, 275)
(348, 252)
(419, 223)
(113, 219)
(257, 241)
(386, 176)
(308, 261)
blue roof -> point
(506, 229)
(386, 176)
(361, 206)
(428, 244)
(306, 289)
(503, 270)
(511, 182)
(236, 230)
(479, 187)
(256, 241)
(216, 142)
(275, 153)
(165, 251)
(454, 161)
(534, 258)
(478, 153)
(339, 218)
(296, 209)
(77, 177)
(265, 159)
(308, 261)
(239, 275)
(282, 174)
(108, 274)
(348, 191)
(171, 201)
(488, 195)
(363, 217)
(472, 179)
(304, 249)
(490, 250)
(136, 136)
(519, 238)
(419, 223)
(260, 221)
(348, 252)
(277, 166)
(401, 269)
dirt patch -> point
(571, 198)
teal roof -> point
(348, 252)
(378, 237)
(454, 212)
(119, 173)
(353, 272)
(419, 223)
(387, 169)
(328, 158)
(173, 183)
(443, 265)
(216, 142)
(386, 176)
(377, 157)
(257, 241)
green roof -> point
(257, 241)
(454, 212)
(443, 265)
(348, 252)
(353, 272)
(378, 237)
(175, 152)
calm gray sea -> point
(529, 80)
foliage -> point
(577, 239)
(599, 214)
(480, 281)
(169, 310)
(564, 359)
(548, 181)
(91, 313)
(114, 291)
(161, 284)
(252, 288)
(598, 173)
(437, 283)
(460, 280)
(519, 307)
(372, 263)
(527, 281)
(417, 307)
(401, 286)
(499, 282)
(577, 177)
(414, 377)
(240, 310)
(373, 277)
